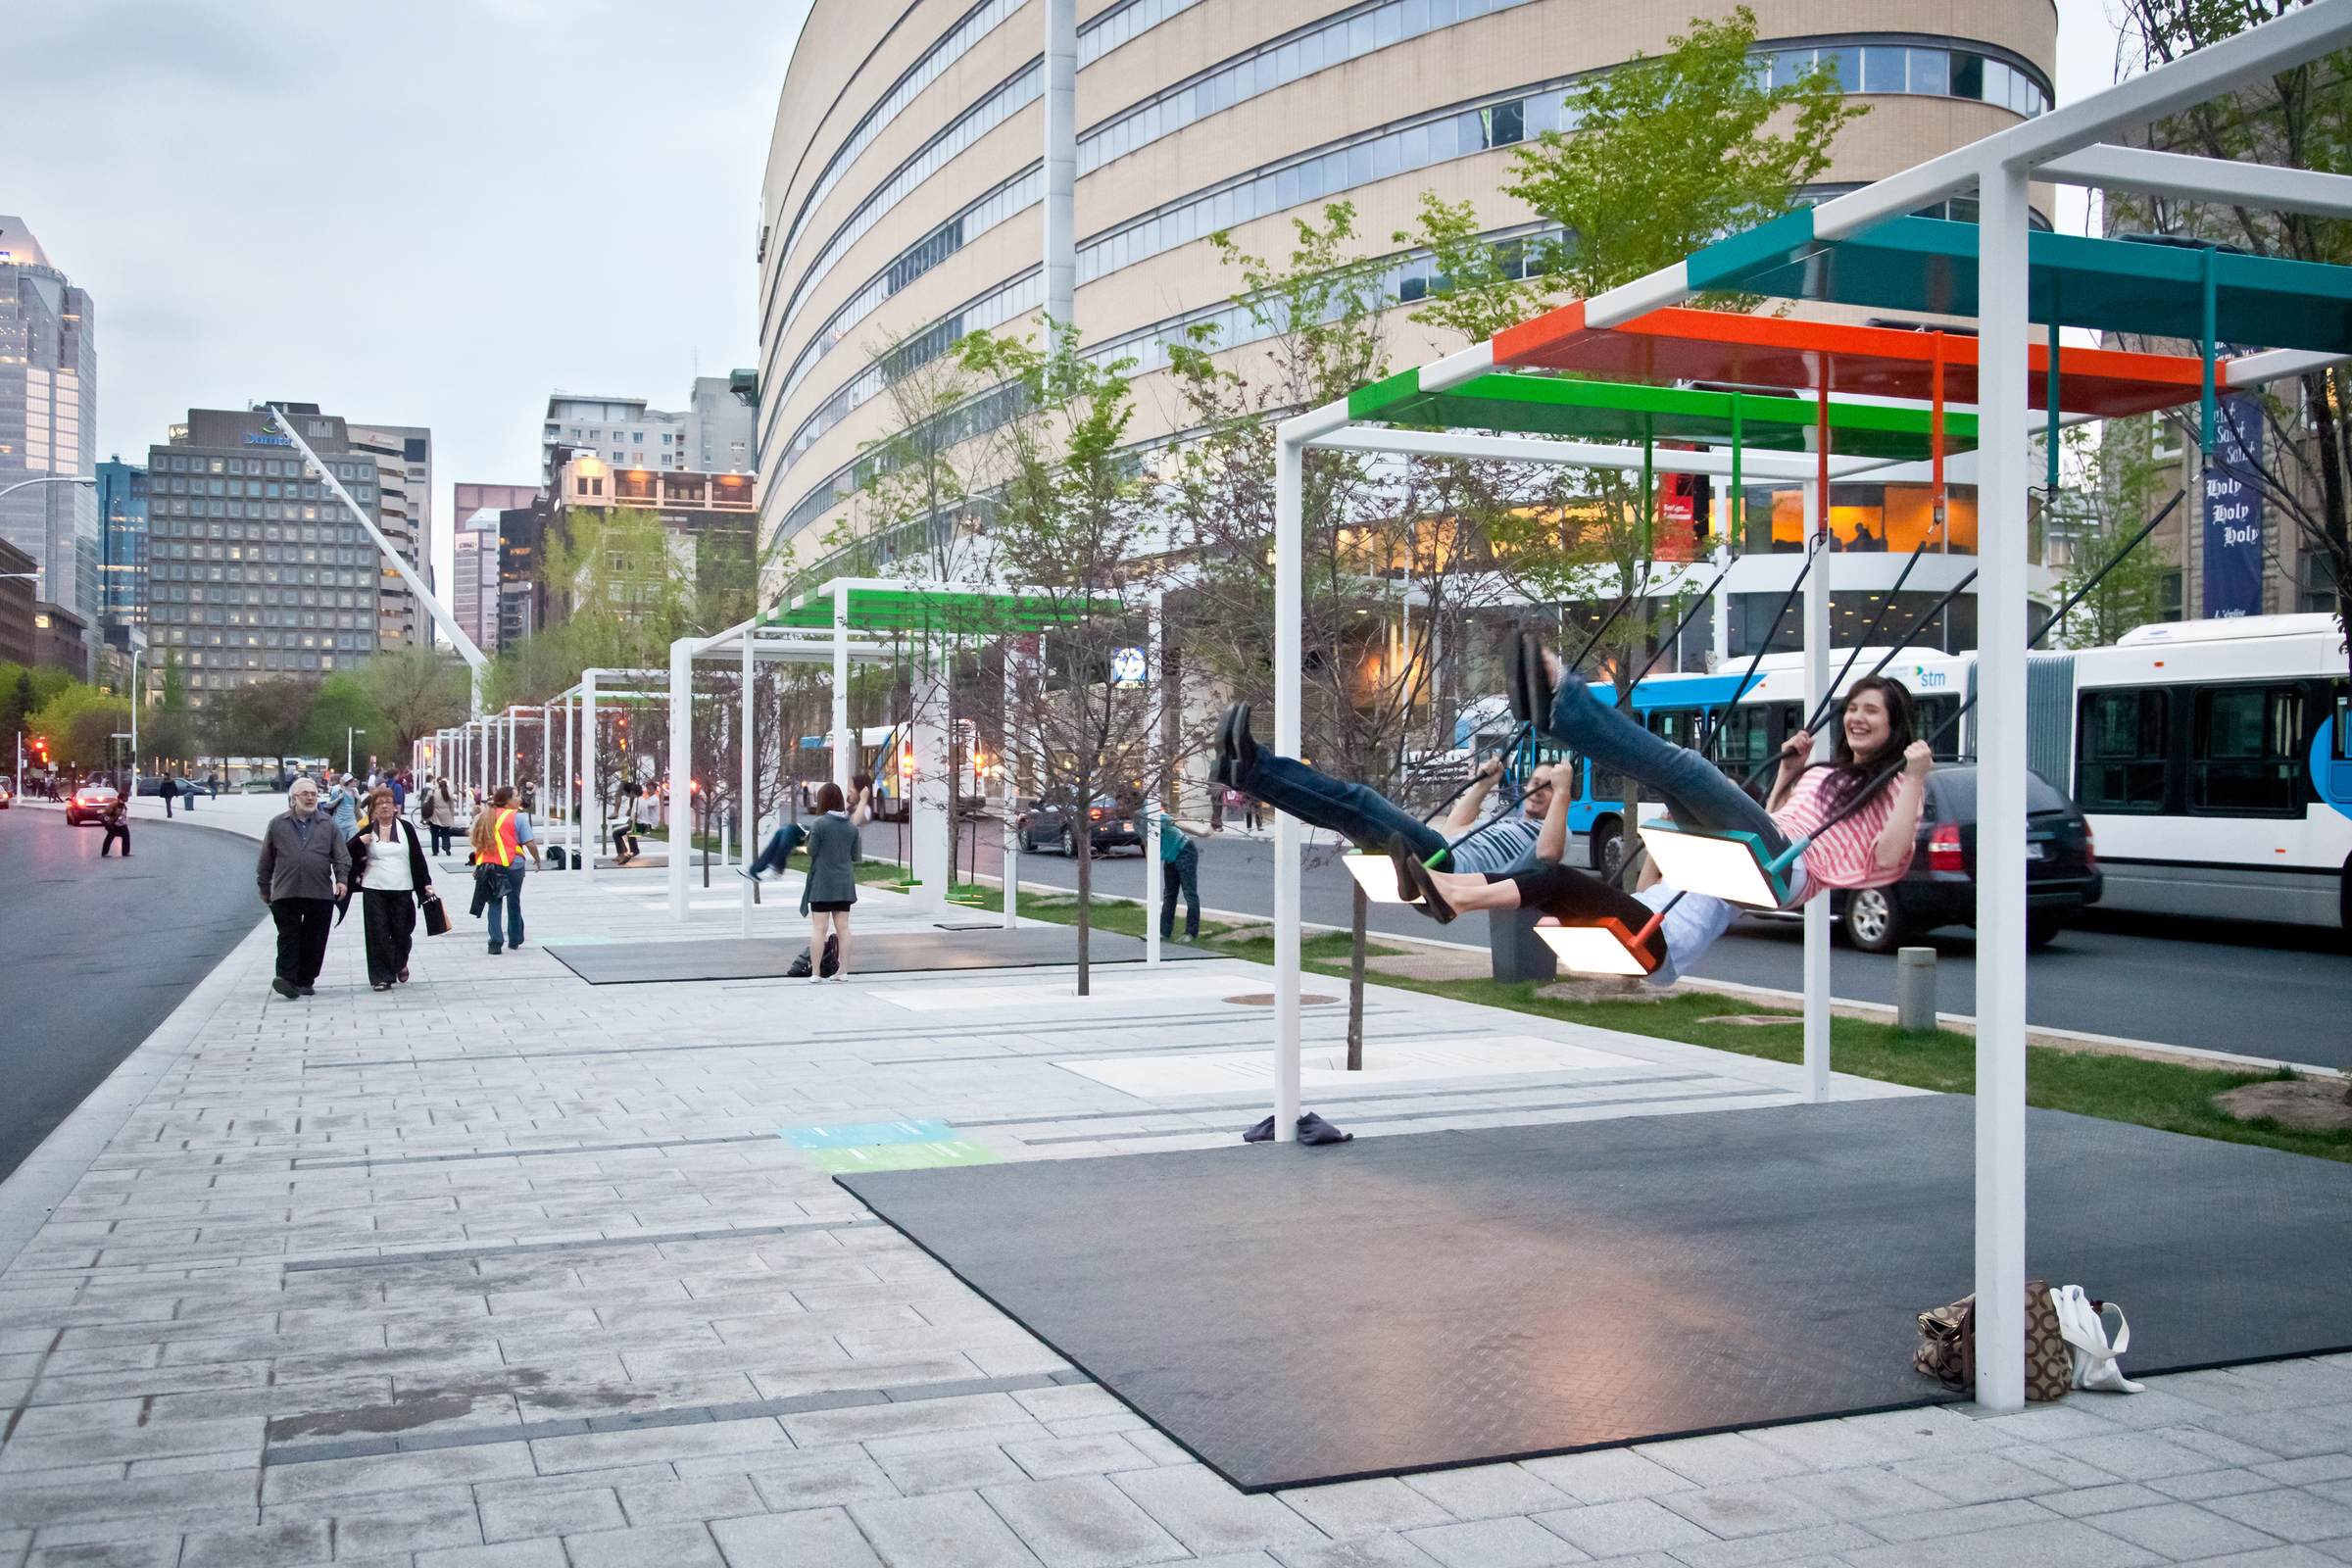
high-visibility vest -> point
(505, 848)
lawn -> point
(2128, 1089)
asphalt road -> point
(2258, 990)
(97, 953)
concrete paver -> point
(502, 1270)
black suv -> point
(2062, 870)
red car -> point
(88, 802)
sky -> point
(432, 212)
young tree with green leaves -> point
(1072, 518)
(2116, 480)
(2296, 118)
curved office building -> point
(903, 201)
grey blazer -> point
(293, 868)
(832, 862)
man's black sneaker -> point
(285, 986)
(1245, 749)
(1412, 874)
(1220, 767)
(1313, 1129)
(1399, 853)
(308, 990)
(1514, 679)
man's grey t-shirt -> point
(1501, 846)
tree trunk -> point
(1084, 838)
(1356, 984)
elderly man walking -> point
(305, 866)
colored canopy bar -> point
(1680, 344)
(2107, 285)
(1544, 404)
(956, 611)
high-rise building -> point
(121, 544)
(714, 435)
(404, 484)
(18, 573)
(255, 569)
(474, 573)
(48, 419)
(709, 519)
(719, 423)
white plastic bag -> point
(2085, 1332)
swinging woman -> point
(1866, 842)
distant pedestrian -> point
(832, 883)
(305, 867)
(624, 832)
(440, 812)
(400, 792)
(1179, 870)
(116, 814)
(393, 877)
(344, 803)
(501, 833)
(168, 789)
(530, 799)
(780, 845)
(212, 783)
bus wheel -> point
(1608, 849)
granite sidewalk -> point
(503, 1269)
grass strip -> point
(2163, 1095)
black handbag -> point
(436, 918)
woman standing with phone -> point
(390, 871)
(832, 883)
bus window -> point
(1934, 714)
(2243, 758)
(2123, 751)
(1748, 737)
(1676, 726)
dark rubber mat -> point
(1295, 1315)
(895, 953)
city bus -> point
(2208, 757)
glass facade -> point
(121, 544)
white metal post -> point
(1818, 669)
(845, 760)
(1290, 506)
(1723, 606)
(1005, 778)
(748, 810)
(1061, 161)
(2003, 428)
(571, 773)
(681, 771)
(1149, 825)
(547, 758)
(592, 801)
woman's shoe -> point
(404, 977)
(382, 985)
(1413, 875)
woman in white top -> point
(391, 874)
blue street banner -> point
(2233, 512)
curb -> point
(34, 1189)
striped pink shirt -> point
(1846, 855)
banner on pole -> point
(2233, 512)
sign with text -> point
(2233, 512)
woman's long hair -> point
(484, 835)
(1848, 772)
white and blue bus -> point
(2208, 757)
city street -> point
(2191, 983)
(100, 953)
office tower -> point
(121, 544)
(403, 456)
(48, 421)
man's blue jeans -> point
(506, 895)
(1183, 873)
(780, 845)
(1697, 793)
(1362, 816)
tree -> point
(2300, 119)
(16, 707)
(339, 705)
(1071, 518)
(264, 720)
(2096, 517)
(416, 691)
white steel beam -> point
(2275, 364)
(2219, 181)
(1583, 454)
(1290, 511)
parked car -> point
(85, 802)
(1045, 828)
(2062, 868)
(7, 796)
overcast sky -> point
(429, 212)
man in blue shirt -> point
(1179, 869)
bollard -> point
(1915, 990)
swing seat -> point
(1376, 875)
(1730, 865)
(1604, 947)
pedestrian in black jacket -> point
(305, 867)
(116, 814)
(389, 870)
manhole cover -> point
(1265, 999)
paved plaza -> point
(503, 1269)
